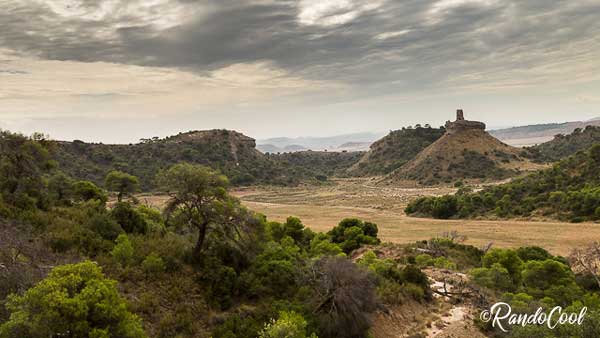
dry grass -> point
(321, 208)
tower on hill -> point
(462, 124)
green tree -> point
(23, 162)
(123, 183)
(200, 196)
(508, 259)
(86, 191)
(73, 301)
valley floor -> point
(322, 207)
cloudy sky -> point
(116, 71)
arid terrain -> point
(322, 207)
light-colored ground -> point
(321, 208)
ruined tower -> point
(462, 124)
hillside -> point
(565, 145)
(318, 164)
(465, 151)
(232, 153)
(539, 133)
(394, 150)
(569, 190)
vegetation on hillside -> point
(395, 149)
(570, 190)
(463, 154)
(565, 145)
(232, 153)
(205, 267)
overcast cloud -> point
(74, 68)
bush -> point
(153, 265)
(123, 251)
(105, 226)
(352, 233)
(424, 260)
(129, 218)
(288, 325)
(495, 277)
(75, 298)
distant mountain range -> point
(345, 142)
(539, 133)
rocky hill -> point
(394, 150)
(565, 145)
(465, 151)
(233, 153)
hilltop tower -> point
(462, 124)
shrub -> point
(129, 218)
(288, 325)
(495, 277)
(343, 297)
(423, 260)
(153, 265)
(123, 251)
(76, 299)
(105, 226)
(508, 259)
(352, 233)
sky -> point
(116, 71)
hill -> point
(569, 190)
(318, 164)
(465, 151)
(539, 133)
(230, 152)
(565, 145)
(394, 150)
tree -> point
(23, 162)
(123, 183)
(588, 260)
(344, 296)
(73, 301)
(86, 190)
(200, 196)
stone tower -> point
(462, 124)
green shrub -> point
(75, 298)
(153, 265)
(495, 277)
(424, 260)
(131, 220)
(123, 251)
(288, 325)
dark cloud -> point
(434, 45)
